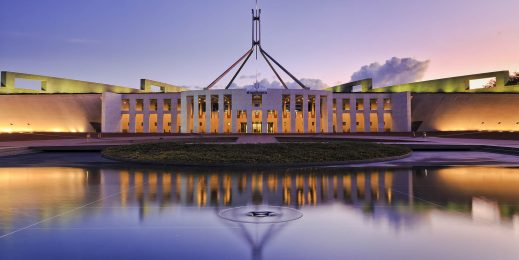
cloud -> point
(249, 76)
(311, 83)
(394, 71)
(315, 84)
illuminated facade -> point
(473, 102)
(222, 111)
(477, 102)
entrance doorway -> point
(270, 127)
(256, 127)
(243, 128)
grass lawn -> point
(254, 154)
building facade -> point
(273, 111)
(479, 102)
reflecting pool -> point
(363, 213)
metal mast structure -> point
(256, 47)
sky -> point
(190, 42)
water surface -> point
(369, 213)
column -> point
(292, 113)
(353, 114)
(221, 114)
(317, 114)
(249, 119)
(264, 121)
(208, 114)
(380, 114)
(132, 115)
(367, 112)
(160, 115)
(339, 112)
(329, 108)
(146, 116)
(280, 118)
(234, 114)
(195, 113)
(305, 113)
(183, 114)
(174, 114)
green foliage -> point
(277, 153)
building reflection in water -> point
(288, 189)
(480, 192)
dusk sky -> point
(190, 42)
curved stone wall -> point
(50, 113)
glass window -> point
(139, 104)
(153, 105)
(346, 104)
(360, 104)
(373, 104)
(167, 105)
(125, 106)
(387, 104)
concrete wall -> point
(111, 113)
(50, 113)
(454, 84)
(466, 112)
(457, 84)
(53, 85)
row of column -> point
(187, 104)
(146, 115)
(366, 112)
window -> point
(125, 106)
(139, 104)
(373, 104)
(153, 105)
(167, 105)
(360, 104)
(387, 104)
(346, 104)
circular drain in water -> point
(260, 214)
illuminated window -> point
(346, 104)
(387, 104)
(139, 104)
(153, 105)
(373, 104)
(360, 104)
(125, 106)
(167, 105)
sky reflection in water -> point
(420, 213)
